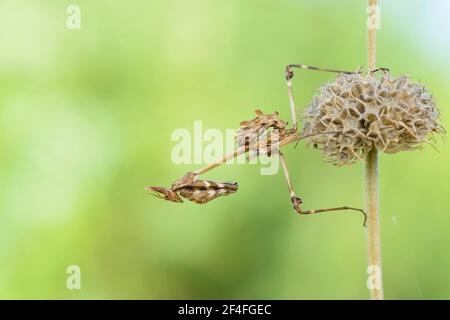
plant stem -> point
(372, 36)
(371, 185)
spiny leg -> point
(297, 202)
(336, 209)
(289, 73)
(384, 70)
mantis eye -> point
(164, 193)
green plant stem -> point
(373, 226)
(371, 190)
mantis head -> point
(164, 193)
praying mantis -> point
(248, 138)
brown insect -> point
(248, 138)
(198, 191)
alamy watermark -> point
(374, 278)
(208, 146)
(73, 21)
(73, 281)
(374, 17)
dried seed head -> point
(369, 111)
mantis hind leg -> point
(335, 209)
(289, 74)
(297, 202)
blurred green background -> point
(85, 123)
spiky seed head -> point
(366, 111)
